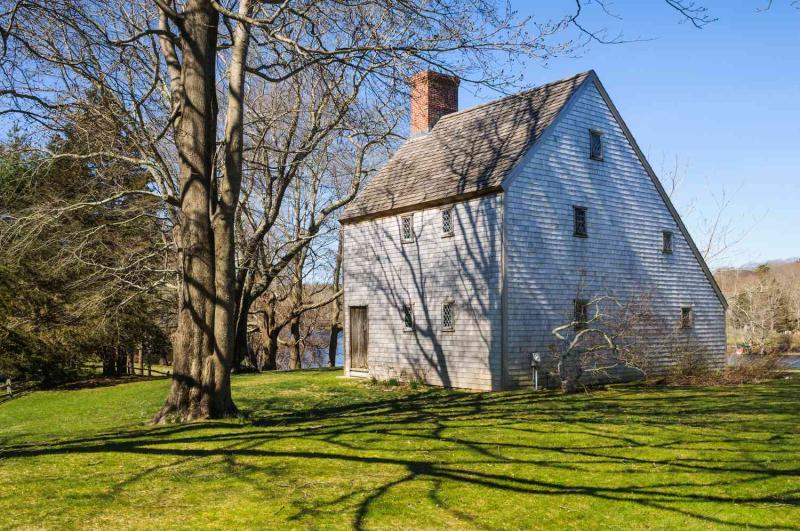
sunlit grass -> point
(318, 451)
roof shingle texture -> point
(467, 152)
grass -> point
(317, 451)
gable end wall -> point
(546, 266)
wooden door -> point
(359, 337)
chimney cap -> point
(432, 75)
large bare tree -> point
(180, 72)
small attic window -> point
(595, 145)
(666, 242)
(447, 221)
(407, 228)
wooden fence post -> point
(8, 387)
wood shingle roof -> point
(467, 153)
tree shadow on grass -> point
(715, 446)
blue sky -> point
(724, 101)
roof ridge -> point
(520, 94)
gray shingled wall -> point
(546, 264)
(383, 273)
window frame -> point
(585, 213)
(595, 134)
(687, 317)
(410, 218)
(452, 326)
(580, 314)
(667, 242)
(447, 211)
(410, 307)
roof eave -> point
(457, 198)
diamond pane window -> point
(447, 222)
(407, 228)
(408, 317)
(448, 316)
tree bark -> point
(269, 335)
(109, 362)
(272, 352)
(240, 344)
(336, 307)
(333, 344)
(296, 354)
(296, 357)
(121, 361)
(298, 261)
(201, 381)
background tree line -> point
(83, 288)
(764, 312)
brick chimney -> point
(433, 95)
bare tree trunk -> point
(336, 307)
(109, 363)
(333, 344)
(201, 381)
(296, 358)
(121, 361)
(270, 335)
(272, 352)
(240, 344)
(224, 218)
(296, 354)
(569, 372)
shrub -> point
(691, 363)
(777, 343)
(691, 368)
(754, 369)
(794, 344)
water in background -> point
(309, 359)
(340, 352)
(787, 362)
(792, 362)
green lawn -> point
(318, 451)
